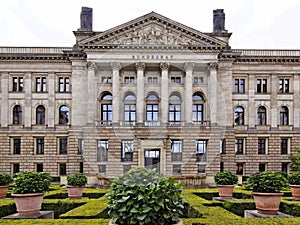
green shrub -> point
(294, 178)
(144, 196)
(5, 179)
(77, 179)
(31, 182)
(225, 178)
(267, 182)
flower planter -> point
(3, 191)
(225, 191)
(295, 189)
(178, 223)
(267, 203)
(28, 204)
(75, 192)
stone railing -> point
(33, 50)
(197, 181)
(266, 52)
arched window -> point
(261, 115)
(64, 114)
(152, 110)
(40, 115)
(106, 108)
(174, 109)
(198, 108)
(239, 115)
(284, 115)
(129, 109)
(17, 115)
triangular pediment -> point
(152, 30)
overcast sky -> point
(264, 24)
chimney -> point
(219, 20)
(86, 19)
(219, 26)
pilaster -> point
(164, 103)
(140, 67)
(4, 100)
(116, 66)
(213, 94)
(91, 92)
(28, 101)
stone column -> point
(188, 85)
(164, 103)
(140, 67)
(91, 92)
(28, 101)
(4, 98)
(51, 99)
(213, 93)
(116, 91)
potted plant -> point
(143, 196)
(267, 187)
(28, 191)
(5, 180)
(76, 183)
(225, 181)
(294, 182)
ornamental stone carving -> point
(115, 66)
(140, 66)
(91, 65)
(164, 66)
(213, 66)
(189, 66)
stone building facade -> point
(149, 93)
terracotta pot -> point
(267, 203)
(3, 191)
(28, 204)
(295, 189)
(178, 223)
(75, 192)
(225, 191)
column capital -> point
(164, 66)
(91, 65)
(140, 66)
(213, 66)
(189, 66)
(115, 65)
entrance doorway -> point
(152, 159)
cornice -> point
(34, 58)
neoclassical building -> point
(151, 92)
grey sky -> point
(266, 24)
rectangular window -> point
(221, 166)
(63, 84)
(201, 146)
(40, 146)
(223, 146)
(284, 85)
(15, 168)
(262, 146)
(106, 113)
(262, 167)
(174, 113)
(198, 80)
(176, 150)
(201, 168)
(129, 80)
(239, 146)
(152, 80)
(40, 84)
(102, 168)
(284, 146)
(63, 146)
(284, 167)
(152, 114)
(176, 169)
(81, 167)
(80, 146)
(126, 168)
(261, 85)
(16, 146)
(102, 150)
(176, 80)
(129, 113)
(239, 85)
(39, 167)
(106, 80)
(17, 84)
(127, 151)
(239, 168)
(62, 169)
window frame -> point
(63, 145)
(262, 146)
(40, 84)
(127, 150)
(64, 85)
(102, 150)
(39, 145)
(176, 150)
(201, 150)
(240, 146)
